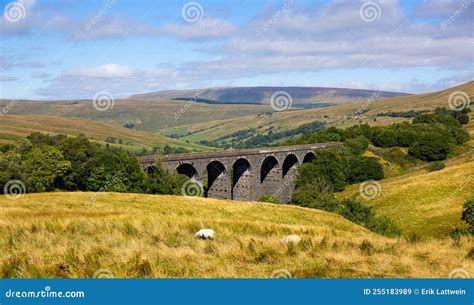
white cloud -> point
(207, 28)
(105, 71)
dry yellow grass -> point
(422, 202)
(15, 127)
(131, 235)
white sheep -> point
(290, 239)
(205, 234)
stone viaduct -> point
(242, 174)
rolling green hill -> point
(131, 235)
(422, 202)
(14, 127)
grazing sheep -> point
(290, 239)
(205, 234)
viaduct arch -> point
(243, 174)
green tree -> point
(44, 165)
(430, 147)
(364, 168)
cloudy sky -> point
(67, 49)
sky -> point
(72, 49)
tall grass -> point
(130, 235)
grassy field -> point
(146, 115)
(340, 115)
(422, 202)
(15, 127)
(131, 235)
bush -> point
(357, 212)
(430, 147)
(436, 166)
(364, 168)
(385, 226)
(269, 199)
(468, 217)
(330, 164)
(468, 213)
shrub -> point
(364, 168)
(436, 166)
(430, 147)
(385, 226)
(268, 198)
(356, 212)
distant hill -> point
(341, 115)
(262, 95)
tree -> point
(331, 164)
(468, 213)
(430, 147)
(364, 168)
(43, 166)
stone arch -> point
(218, 181)
(242, 180)
(290, 164)
(289, 170)
(150, 169)
(270, 175)
(187, 169)
(309, 156)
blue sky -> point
(68, 49)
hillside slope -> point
(14, 127)
(422, 202)
(340, 115)
(262, 95)
(132, 235)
